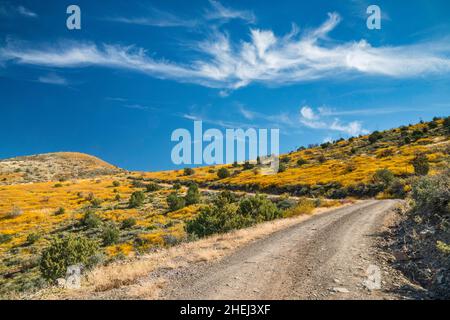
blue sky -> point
(137, 70)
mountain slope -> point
(53, 166)
(329, 168)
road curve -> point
(324, 257)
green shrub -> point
(117, 197)
(90, 220)
(128, 223)
(421, 165)
(136, 183)
(176, 186)
(175, 202)
(137, 199)
(116, 184)
(446, 123)
(224, 215)
(151, 187)
(96, 202)
(248, 166)
(375, 136)
(259, 208)
(223, 173)
(4, 238)
(60, 211)
(397, 189)
(223, 198)
(383, 177)
(213, 219)
(282, 167)
(432, 194)
(110, 235)
(321, 158)
(65, 252)
(58, 185)
(192, 195)
(32, 238)
(285, 159)
(417, 134)
(302, 161)
(188, 171)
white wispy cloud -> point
(136, 106)
(220, 12)
(156, 18)
(26, 12)
(53, 78)
(265, 58)
(9, 10)
(316, 120)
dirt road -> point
(325, 257)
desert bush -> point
(116, 183)
(223, 198)
(117, 197)
(417, 134)
(259, 208)
(213, 219)
(90, 219)
(431, 195)
(151, 187)
(128, 223)
(170, 240)
(175, 202)
(375, 136)
(446, 123)
(304, 206)
(302, 161)
(96, 202)
(57, 185)
(176, 186)
(247, 166)
(224, 215)
(192, 195)
(110, 234)
(397, 189)
(321, 158)
(137, 183)
(286, 204)
(65, 252)
(285, 159)
(282, 167)
(421, 165)
(223, 173)
(383, 177)
(432, 125)
(188, 171)
(32, 238)
(137, 199)
(4, 238)
(14, 213)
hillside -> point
(125, 214)
(53, 166)
(338, 169)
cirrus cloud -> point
(265, 58)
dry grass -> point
(132, 279)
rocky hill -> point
(53, 166)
